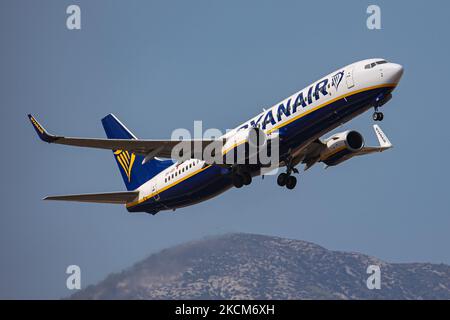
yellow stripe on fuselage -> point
(131, 204)
(314, 109)
(388, 85)
(393, 85)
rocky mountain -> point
(248, 266)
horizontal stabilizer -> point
(110, 197)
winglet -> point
(42, 133)
(382, 138)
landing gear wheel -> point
(291, 182)
(238, 180)
(377, 116)
(282, 178)
(246, 179)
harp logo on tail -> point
(126, 161)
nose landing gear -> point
(380, 101)
(377, 116)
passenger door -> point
(156, 196)
(349, 78)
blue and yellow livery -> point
(299, 122)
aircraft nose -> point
(395, 72)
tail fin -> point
(134, 173)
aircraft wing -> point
(382, 139)
(311, 154)
(147, 148)
(110, 197)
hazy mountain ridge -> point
(247, 266)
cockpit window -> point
(373, 64)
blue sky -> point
(160, 65)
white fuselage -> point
(349, 80)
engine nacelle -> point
(341, 147)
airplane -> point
(156, 182)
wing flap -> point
(311, 154)
(109, 197)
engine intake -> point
(354, 140)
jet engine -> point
(341, 147)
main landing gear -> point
(287, 179)
(241, 179)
